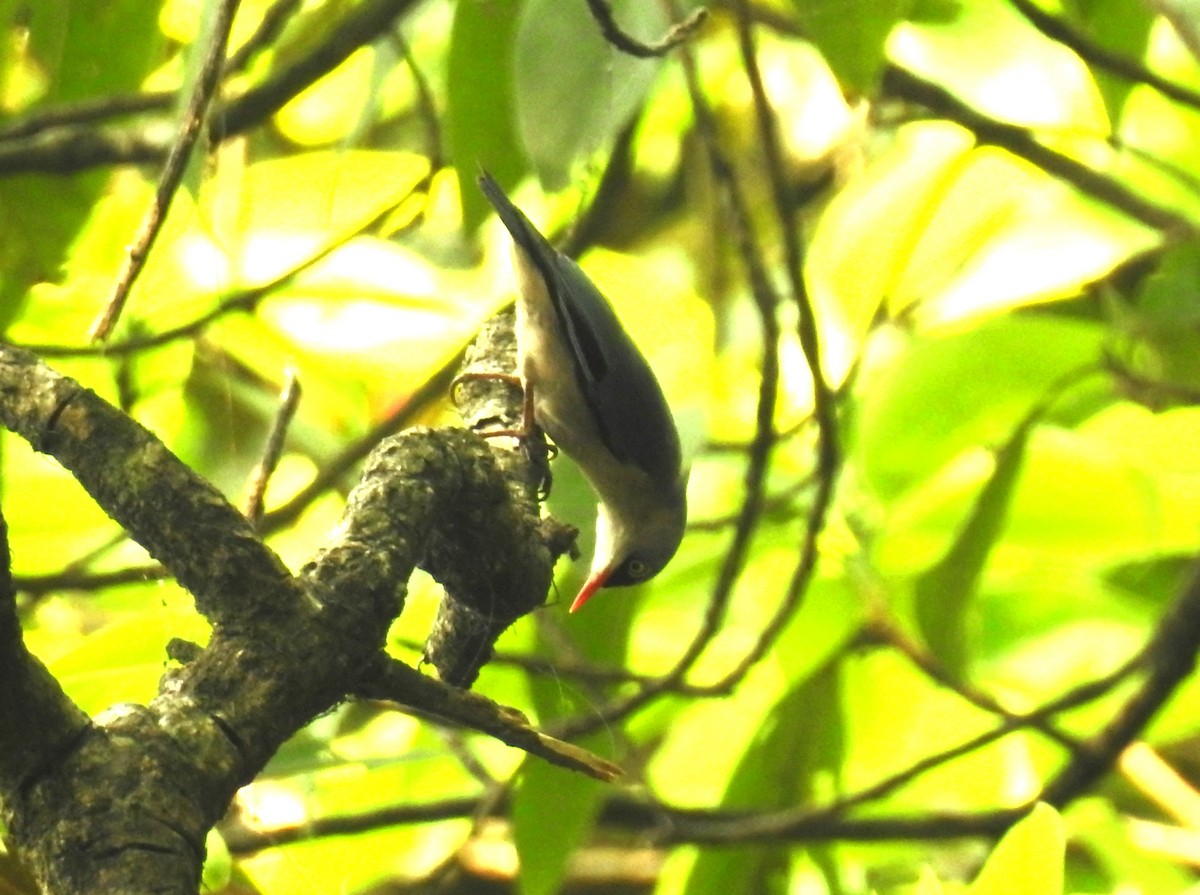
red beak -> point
(594, 583)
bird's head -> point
(634, 541)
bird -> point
(590, 389)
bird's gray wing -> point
(622, 393)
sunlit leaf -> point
(923, 406)
(796, 743)
(1103, 833)
(944, 592)
(334, 106)
(123, 661)
(570, 105)
(853, 38)
(685, 769)
(481, 107)
(1029, 859)
(1122, 27)
(545, 840)
(992, 57)
(866, 237)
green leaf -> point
(303, 202)
(853, 37)
(574, 90)
(370, 859)
(800, 738)
(1029, 859)
(944, 593)
(685, 769)
(123, 661)
(876, 217)
(953, 232)
(1161, 327)
(1104, 834)
(73, 44)
(928, 882)
(922, 407)
(480, 109)
(988, 54)
(552, 811)
(1184, 16)
(1123, 27)
(82, 37)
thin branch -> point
(85, 112)
(1023, 142)
(778, 505)
(758, 461)
(243, 838)
(435, 149)
(1061, 31)
(269, 28)
(1169, 657)
(80, 580)
(602, 12)
(245, 300)
(172, 175)
(289, 400)
(106, 108)
(572, 668)
(824, 402)
(433, 388)
(67, 150)
(654, 822)
(886, 631)
(363, 25)
(398, 682)
(670, 825)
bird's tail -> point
(521, 229)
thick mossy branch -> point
(38, 722)
(123, 803)
(492, 580)
(181, 519)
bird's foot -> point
(539, 451)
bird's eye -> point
(637, 568)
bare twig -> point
(1023, 142)
(1169, 657)
(177, 160)
(602, 12)
(437, 385)
(289, 400)
(269, 28)
(396, 681)
(891, 634)
(776, 505)
(85, 112)
(1089, 51)
(824, 403)
(427, 108)
(761, 447)
(68, 149)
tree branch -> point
(130, 797)
(72, 148)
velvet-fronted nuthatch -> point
(590, 389)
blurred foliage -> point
(1014, 349)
